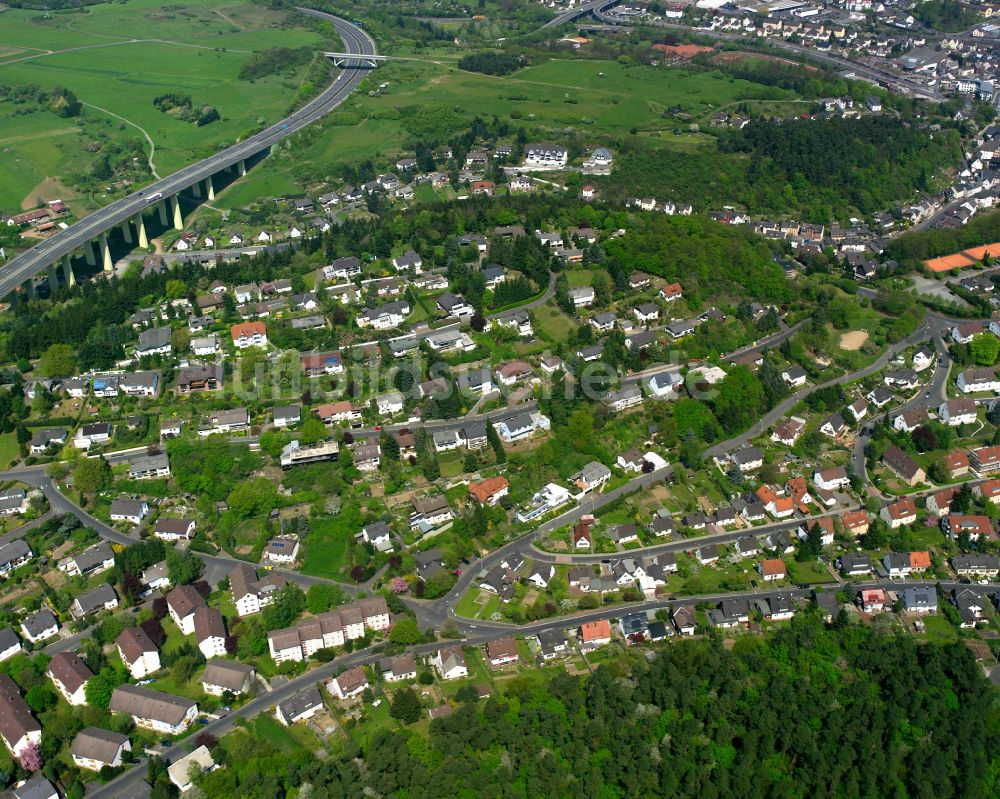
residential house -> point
(154, 710)
(772, 570)
(832, 479)
(182, 602)
(301, 706)
(794, 376)
(896, 514)
(834, 426)
(974, 527)
(94, 748)
(855, 522)
(210, 631)
(957, 412)
(40, 625)
(903, 465)
(502, 651)
(595, 633)
(977, 380)
(249, 334)
(985, 460)
(623, 398)
(101, 597)
(70, 674)
(854, 564)
(282, 550)
(18, 728)
(349, 684)
(167, 529)
(398, 667)
(221, 676)
(489, 491)
(788, 431)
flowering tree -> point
(30, 757)
(398, 585)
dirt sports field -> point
(854, 340)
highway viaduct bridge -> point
(160, 202)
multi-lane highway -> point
(51, 251)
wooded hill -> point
(809, 711)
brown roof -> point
(956, 460)
(773, 566)
(487, 488)
(430, 504)
(989, 489)
(513, 368)
(374, 606)
(184, 600)
(855, 518)
(133, 643)
(175, 526)
(70, 670)
(16, 720)
(501, 647)
(208, 624)
(144, 703)
(351, 614)
(94, 743)
(900, 462)
(248, 329)
(399, 664)
(288, 638)
(352, 679)
(227, 674)
(595, 630)
(902, 508)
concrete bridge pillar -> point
(141, 227)
(178, 219)
(196, 189)
(53, 278)
(127, 232)
(106, 254)
(210, 188)
(28, 287)
(88, 252)
(241, 167)
(68, 277)
(162, 206)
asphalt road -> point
(35, 261)
(578, 11)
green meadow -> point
(117, 57)
(426, 96)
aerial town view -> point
(499, 398)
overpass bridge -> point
(344, 60)
(89, 237)
(593, 7)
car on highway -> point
(155, 196)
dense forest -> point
(491, 63)
(819, 169)
(811, 711)
(945, 15)
(690, 249)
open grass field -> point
(9, 450)
(119, 57)
(431, 98)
